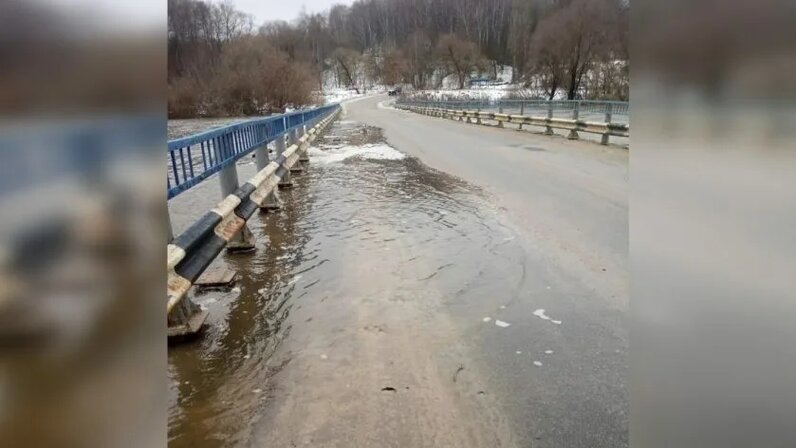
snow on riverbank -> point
(336, 95)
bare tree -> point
(395, 67)
(570, 39)
(348, 63)
(459, 57)
(419, 59)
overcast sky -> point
(268, 10)
(135, 13)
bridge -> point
(430, 273)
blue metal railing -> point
(194, 158)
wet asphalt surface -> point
(397, 261)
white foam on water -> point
(540, 314)
(537, 364)
(548, 352)
(374, 151)
(487, 319)
(294, 280)
(502, 324)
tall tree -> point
(459, 57)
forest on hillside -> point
(222, 63)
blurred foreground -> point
(82, 334)
(712, 222)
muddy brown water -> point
(358, 321)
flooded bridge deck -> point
(390, 303)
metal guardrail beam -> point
(574, 125)
(190, 253)
(620, 108)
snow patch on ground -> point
(540, 314)
(339, 94)
(374, 151)
(486, 92)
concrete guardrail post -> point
(293, 139)
(547, 129)
(573, 133)
(272, 201)
(280, 147)
(228, 178)
(608, 117)
(303, 157)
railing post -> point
(573, 133)
(608, 117)
(293, 139)
(272, 201)
(261, 156)
(522, 112)
(228, 178)
(303, 158)
(279, 147)
(548, 130)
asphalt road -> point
(567, 202)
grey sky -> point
(137, 13)
(268, 10)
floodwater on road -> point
(385, 305)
